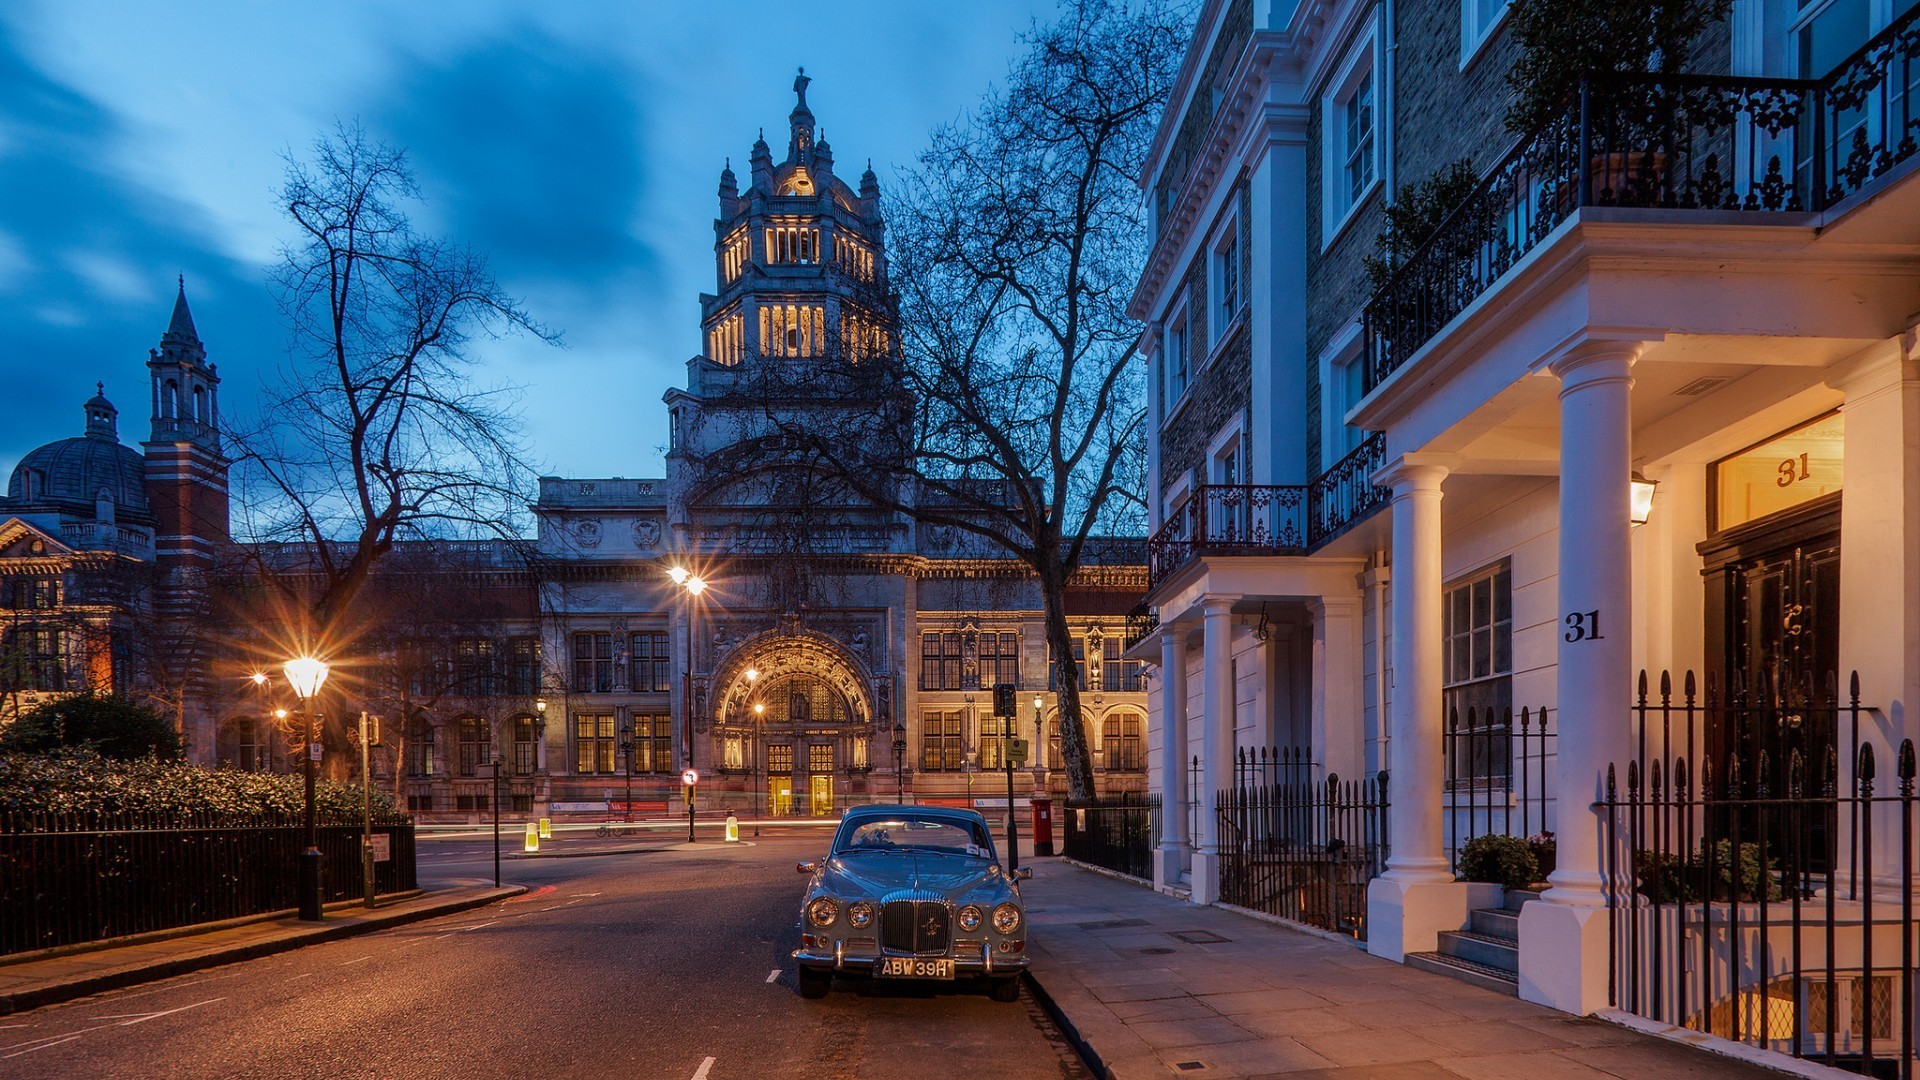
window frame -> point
(1475, 34)
(1225, 289)
(1361, 64)
(1497, 772)
(943, 735)
(596, 752)
(652, 743)
(658, 659)
(593, 671)
(1177, 326)
(1344, 357)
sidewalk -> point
(1151, 986)
(31, 980)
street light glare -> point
(306, 674)
(678, 574)
(696, 586)
(259, 678)
(753, 673)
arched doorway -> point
(802, 731)
(795, 713)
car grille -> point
(922, 928)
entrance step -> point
(1484, 976)
(1517, 897)
(1495, 922)
(1483, 949)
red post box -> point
(1042, 825)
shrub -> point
(81, 781)
(1417, 211)
(1501, 860)
(115, 727)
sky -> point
(579, 144)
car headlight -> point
(860, 913)
(969, 918)
(1006, 918)
(822, 911)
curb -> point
(55, 993)
(1088, 1055)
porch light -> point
(1639, 498)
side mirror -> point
(806, 867)
(1025, 873)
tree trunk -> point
(1078, 759)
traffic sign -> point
(690, 777)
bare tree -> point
(375, 432)
(1012, 407)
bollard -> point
(546, 828)
(733, 828)
(533, 837)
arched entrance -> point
(795, 714)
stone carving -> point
(646, 534)
(860, 644)
(586, 532)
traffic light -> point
(1003, 703)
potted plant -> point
(1506, 861)
(1545, 853)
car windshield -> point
(920, 834)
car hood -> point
(880, 875)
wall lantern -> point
(1639, 498)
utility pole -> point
(1008, 709)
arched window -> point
(419, 747)
(804, 699)
(526, 755)
(1120, 739)
(476, 745)
(249, 754)
(200, 411)
(170, 400)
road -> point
(663, 962)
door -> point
(780, 796)
(820, 796)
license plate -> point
(908, 967)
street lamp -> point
(306, 675)
(539, 732)
(900, 760)
(626, 747)
(753, 778)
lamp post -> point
(626, 747)
(1006, 751)
(753, 778)
(900, 760)
(306, 675)
(366, 811)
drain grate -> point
(1189, 1066)
(1154, 950)
(1198, 937)
(1111, 924)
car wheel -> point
(815, 984)
(1005, 990)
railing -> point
(1117, 833)
(1756, 889)
(1269, 519)
(1496, 768)
(1672, 142)
(1141, 621)
(66, 879)
(1301, 850)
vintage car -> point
(912, 892)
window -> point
(941, 735)
(1117, 675)
(419, 748)
(1226, 278)
(820, 758)
(473, 670)
(593, 743)
(734, 753)
(859, 752)
(1477, 20)
(652, 670)
(1173, 354)
(993, 741)
(779, 759)
(33, 593)
(1477, 698)
(1343, 384)
(523, 666)
(476, 745)
(593, 663)
(1350, 137)
(793, 329)
(999, 658)
(34, 658)
(251, 755)
(478, 802)
(653, 743)
(1120, 742)
(1079, 666)
(942, 661)
(526, 752)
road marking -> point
(308, 975)
(168, 1012)
(362, 960)
(701, 1072)
(70, 1038)
(775, 976)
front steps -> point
(1487, 953)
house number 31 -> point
(1583, 626)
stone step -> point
(1495, 952)
(1495, 922)
(1481, 975)
(1517, 897)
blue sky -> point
(580, 144)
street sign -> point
(690, 777)
(1017, 753)
(313, 751)
(382, 845)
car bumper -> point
(968, 962)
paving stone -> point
(1521, 1067)
(1665, 1060)
(1488, 1037)
(1237, 1059)
(1180, 1008)
(1260, 1001)
(1210, 1031)
(1372, 1046)
(1297, 1021)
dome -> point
(70, 475)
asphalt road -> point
(651, 963)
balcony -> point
(1759, 147)
(1268, 519)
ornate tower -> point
(186, 474)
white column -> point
(1170, 865)
(1563, 961)
(1339, 709)
(1216, 734)
(1417, 897)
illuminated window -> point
(476, 745)
(734, 754)
(820, 758)
(652, 667)
(941, 748)
(525, 752)
(593, 743)
(780, 758)
(999, 658)
(652, 743)
(1120, 742)
(593, 663)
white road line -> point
(701, 1072)
(168, 1012)
(308, 975)
(362, 960)
(775, 976)
(70, 1038)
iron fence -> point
(1760, 879)
(1496, 769)
(1116, 833)
(71, 878)
(1302, 850)
(1670, 142)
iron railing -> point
(1496, 768)
(1141, 621)
(1759, 891)
(71, 878)
(1668, 142)
(1302, 850)
(1269, 519)
(1116, 833)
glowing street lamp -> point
(306, 675)
(678, 574)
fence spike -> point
(1643, 686)
(1830, 783)
(1906, 766)
(1706, 777)
(1863, 772)
(1853, 688)
(1760, 780)
(1612, 788)
(1680, 778)
(1796, 765)
(1656, 779)
(1633, 778)
(1689, 686)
